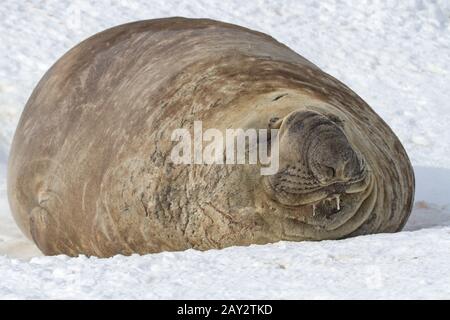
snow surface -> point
(395, 54)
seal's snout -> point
(318, 142)
(317, 162)
(332, 159)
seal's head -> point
(320, 173)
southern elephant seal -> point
(90, 170)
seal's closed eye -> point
(275, 123)
(335, 119)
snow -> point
(395, 54)
(369, 267)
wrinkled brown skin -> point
(90, 170)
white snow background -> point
(395, 54)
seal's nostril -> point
(329, 172)
(353, 167)
(345, 174)
(333, 166)
(337, 171)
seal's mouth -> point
(324, 207)
(331, 205)
(286, 191)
